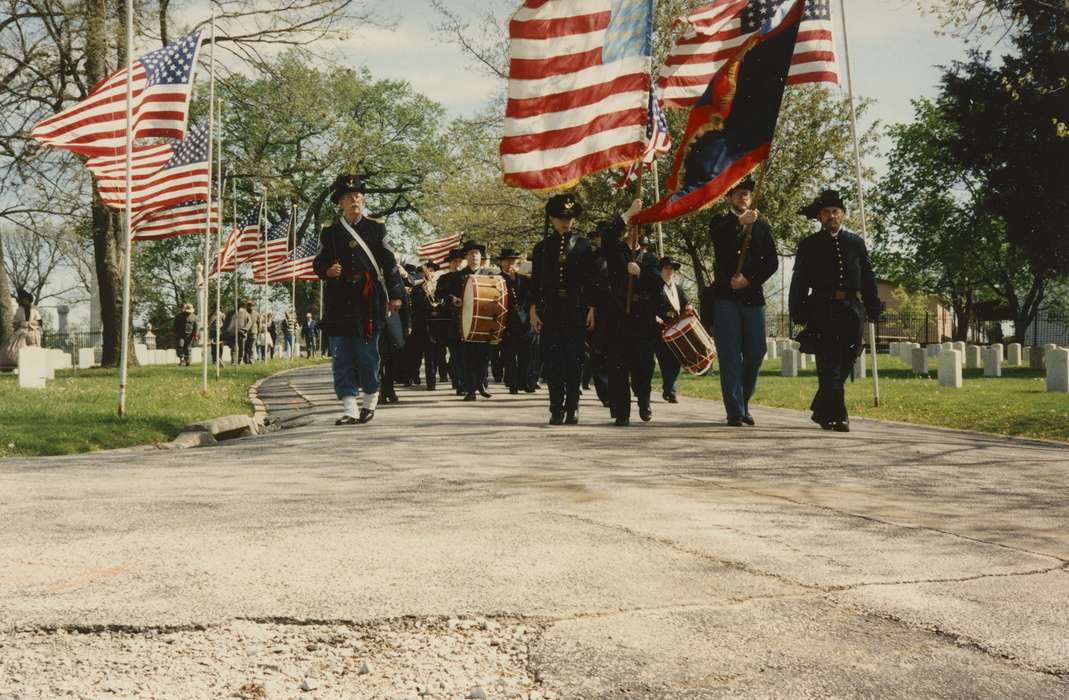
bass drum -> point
(691, 344)
(484, 309)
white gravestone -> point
(86, 358)
(790, 361)
(860, 367)
(1046, 349)
(959, 345)
(172, 357)
(919, 361)
(993, 361)
(933, 350)
(892, 348)
(950, 369)
(1013, 354)
(1035, 357)
(1000, 350)
(196, 356)
(771, 350)
(972, 357)
(226, 354)
(1058, 370)
(33, 367)
(802, 358)
(141, 353)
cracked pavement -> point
(676, 559)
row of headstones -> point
(792, 359)
(37, 365)
(1012, 354)
(145, 356)
(950, 358)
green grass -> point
(1014, 404)
(76, 413)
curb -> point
(259, 416)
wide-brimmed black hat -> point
(344, 184)
(669, 260)
(455, 254)
(564, 206)
(747, 183)
(827, 198)
(472, 245)
(509, 254)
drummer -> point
(474, 358)
(672, 304)
(739, 302)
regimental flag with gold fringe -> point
(729, 131)
(579, 81)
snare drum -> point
(690, 343)
(484, 309)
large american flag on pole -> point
(579, 81)
(247, 243)
(437, 251)
(162, 81)
(298, 265)
(274, 248)
(181, 177)
(184, 219)
(713, 33)
(658, 141)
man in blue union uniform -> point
(361, 286)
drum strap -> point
(371, 257)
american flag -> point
(182, 176)
(162, 81)
(226, 259)
(248, 236)
(658, 141)
(579, 81)
(437, 251)
(298, 265)
(184, 219)
(272, 250)
(714, 32)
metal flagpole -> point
(208, 217)
(263, 291)
(124, 343)
(234, 274)
(657, 198)
(860, 193)
(218, 342)
(293, 277)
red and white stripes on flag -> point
(273, 250)
(161, 81)
(298, 265)
(711, 34)
(162, 175)
(579, 81)
(437, 251)
(248, 240)
(188, 218)
(224, 259)
(658, 141)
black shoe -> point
(469, 397)
(748, 419)
(571, 418)
(431, 387)
(622, 422)
(346, 420)
(586, 387)
(612, 411)
(556, 418)
(645, 413)
(529, 390)
(842, 426)
(365, 415)
(735, 422)
(484, 393)
(670, 398)
(513, 390)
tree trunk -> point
(7, 303)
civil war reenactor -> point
(738, 298)
(392, 344)
(361, 285)
(596, 367)
(185, 332)
(831, 268)
(672, 303)
(474, 358)
(561, 305)
(453, 280)
(515, 344)
(629, 287)
(427, 326)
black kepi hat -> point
(827, 198)
(564, 206)
(747, 183)
(509, 253)
(669, 260)
(344, 184)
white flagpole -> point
(657, 198)
(860, 193)
(218, 342)
(208, 217)
(293, 277)
(263, 290)
(234, 274)
(124, 343)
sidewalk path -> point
(448, 545)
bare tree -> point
(37, 253)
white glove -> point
(631, 211)
(633, 269)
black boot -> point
(571, 418)
(556, 417)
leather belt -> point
(840, 295)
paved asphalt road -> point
(675, 559)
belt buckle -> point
(840, 296)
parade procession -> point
(534, 349)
